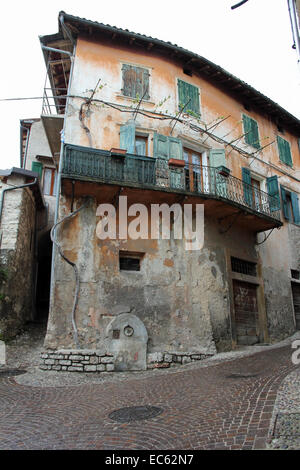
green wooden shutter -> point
(284, 151)
(128, 80)
(127, 137)
(38, 168)
(273, 190)
(217, 158)
(285, 206)
(188, 96)
(218, 182)
(177, 179)
(175, 148)
(246, 177)
(145, 88)
(135, 81)
(295, 206)
(160, 146)
(251, 131)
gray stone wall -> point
(85, 360)
(17, 258)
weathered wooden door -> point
(296, 301)
(246, 312)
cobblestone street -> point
(225, 405)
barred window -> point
(243, 267)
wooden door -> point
(296, 301)
(246, 312)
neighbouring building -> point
(21, 213)
(129, 115)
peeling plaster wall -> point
(279, 254)
(181, 296)
(104, 61)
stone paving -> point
(285, 423)
(220, 405)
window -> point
(193, 170)
(290, 205)
(251, 131)
(273, 191)
(141, 145)
(284, 151)
(135, 82)
(243, 267)
(295, 274)
(37, 167)
(133, 143)
(188, 97)
(50, 181)
(129, 261)
(256, 194)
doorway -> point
(246, 312)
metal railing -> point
(104, 166)
(211, 181)
(54, 101)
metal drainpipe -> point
(12, 189)
(295, 29)
(26, 146)
(58, 187)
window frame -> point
(290, 151)
(52, 183)
(145, 138)
(258, 146)
(177, 95)
(144, 67)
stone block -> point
(110, 367)
(107, 359)
(77, 368)
(100, 368)
(94, 360)
(75, 357)
(90, 368)
(155, 357)
(56, 356)
(168, 358)
(65, 362)
(49, 362)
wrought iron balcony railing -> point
(100, 165)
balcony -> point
(223, 195)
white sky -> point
(253, 42)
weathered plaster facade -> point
(186, 300)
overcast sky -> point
(253, 42)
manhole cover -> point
(12, 372)
(242, 375)
(135, 413)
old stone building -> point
(147, 122)
(21, 212)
